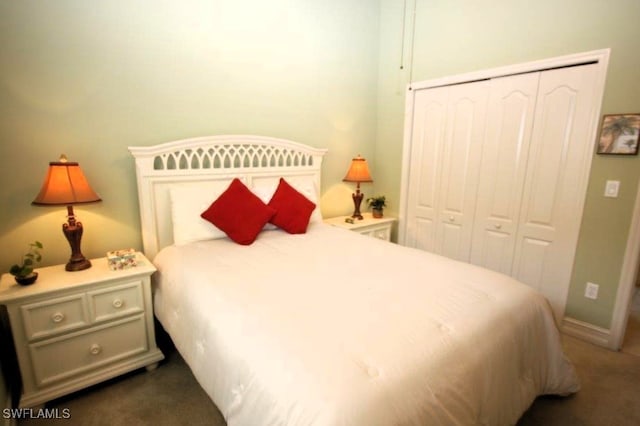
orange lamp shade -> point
(358, 171)
(65, 184)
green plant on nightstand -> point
(23, 272)
(377, 205)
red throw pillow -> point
(293, 210)
(239, 213)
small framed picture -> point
(619, 134)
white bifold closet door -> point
(505, 152)
(445, 160)
(494, 167)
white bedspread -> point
(335, 328)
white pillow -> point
(188, 201)
(265, 192)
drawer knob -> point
(118, 303)
(95, 349)
(451, 218)
(57, 317)
(498, 226)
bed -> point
(330, 327)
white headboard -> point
(211, 158)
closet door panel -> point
(428, 130)
(497, 250)
(460, 166)
(533, 251)
(553, 192)
(425, 230)
(510, 114)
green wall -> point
(90, 78)
(457, 36)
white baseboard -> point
(588, 332)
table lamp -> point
(358, 172)
(65, 184)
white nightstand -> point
(74, 329)
(374, 227)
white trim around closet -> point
(627, 281)
(599, 56)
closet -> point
(497, 169)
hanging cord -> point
(404, 21)
(413, 40)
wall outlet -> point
(591, 291)
(611, 188)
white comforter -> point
(335, 328)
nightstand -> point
(74, 329)
(374, 227)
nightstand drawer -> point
(54, 316)
(379, 233)
(115, 302)
(379, 228)
(382, 234)
(66, 356)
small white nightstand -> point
(74, 329)
(374, 227)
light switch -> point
(612, 188)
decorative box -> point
(121, 259)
